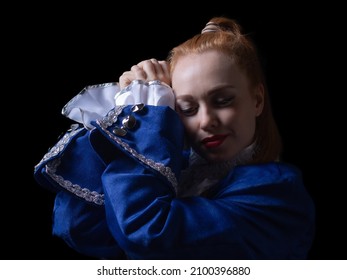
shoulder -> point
(273, 198)
(275, 184)
(266, 173)
(268, 179)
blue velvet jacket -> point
(116, 196)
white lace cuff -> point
(91, 103)
(95, 101)
(150, 93)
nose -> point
(208, 118)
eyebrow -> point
(209, 93)
(218, 88)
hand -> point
(146, 70)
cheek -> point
(190, 126)
(240, 122)
(246, 126)
(228, 117)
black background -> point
(59, 50)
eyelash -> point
(225, 101)
(222, 102)
(188, 112)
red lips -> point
(214, 141)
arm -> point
(84, 228)
(243, 219)
(73, 171)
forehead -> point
(204, 70)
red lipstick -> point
(213, 141)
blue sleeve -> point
(266, 221)
(149, 222)
(243, 219)
(73, 171)
(84, 228)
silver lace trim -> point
(202, 175)
(88, 195)
(139, 82)
(51, 169)
(85, 193)
(60, 145)
(111, 118)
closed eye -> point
(224, 101)
(187, 111)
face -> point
(216, 104)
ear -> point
(259, 94)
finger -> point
(157, 68)
(162, 70)
(139, 73)
(150, 69)
(166, 78)
(126, 78)
(165, 67)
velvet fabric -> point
(118, 196)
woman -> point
(185, 166)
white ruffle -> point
(151, 93)
(95, 101)
(91, 103)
